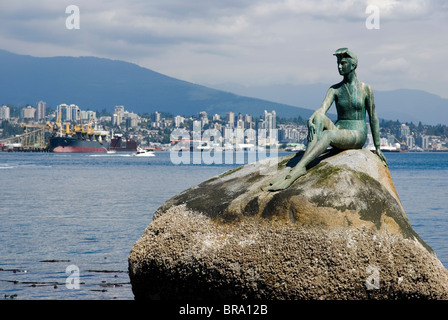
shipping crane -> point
(402, 142)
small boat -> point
(143, 153)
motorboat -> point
(143, 153)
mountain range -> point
(405, 105)
(99, 83)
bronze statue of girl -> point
(352, 99)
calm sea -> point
(76, 216)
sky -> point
(399, 44)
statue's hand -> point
(311, 129)
(380, 155)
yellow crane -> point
(90, 126)
(57, 125)
(400, 142)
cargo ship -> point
(79, 141)
(70, 144)
(86, 138)
(121, 143)
(78, 138)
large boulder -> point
(339, 232)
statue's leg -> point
(315, 151)
(300, 169)
(322, 123)
(322, 139)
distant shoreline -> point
(244, 151)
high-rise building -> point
(87, 115)
(74, 111)
(62, 109)
(118, 115)
(410, 141)
(248, 122)
(157, 117)
(204, 118)
(422, 141)
(178, 120)
(270, 120)
(132, 119)
(40, 110)
(403, 131)
(231, 119)
(4, 113)
(69, 112)
(240, 123)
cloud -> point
(243, 41)
(394, 65)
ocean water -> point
(68, 221)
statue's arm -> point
(374, 124)
(328, 100)
(326, 104)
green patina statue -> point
(352, 99)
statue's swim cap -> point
(344, 52)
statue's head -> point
(347, 61)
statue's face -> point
(345, 66)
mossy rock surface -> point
(229, 237)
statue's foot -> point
(280, 185)
(275, 181)
(284, 182)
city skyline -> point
(245, 127)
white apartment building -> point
(69, 112)
(4, 113)
(28, 112)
